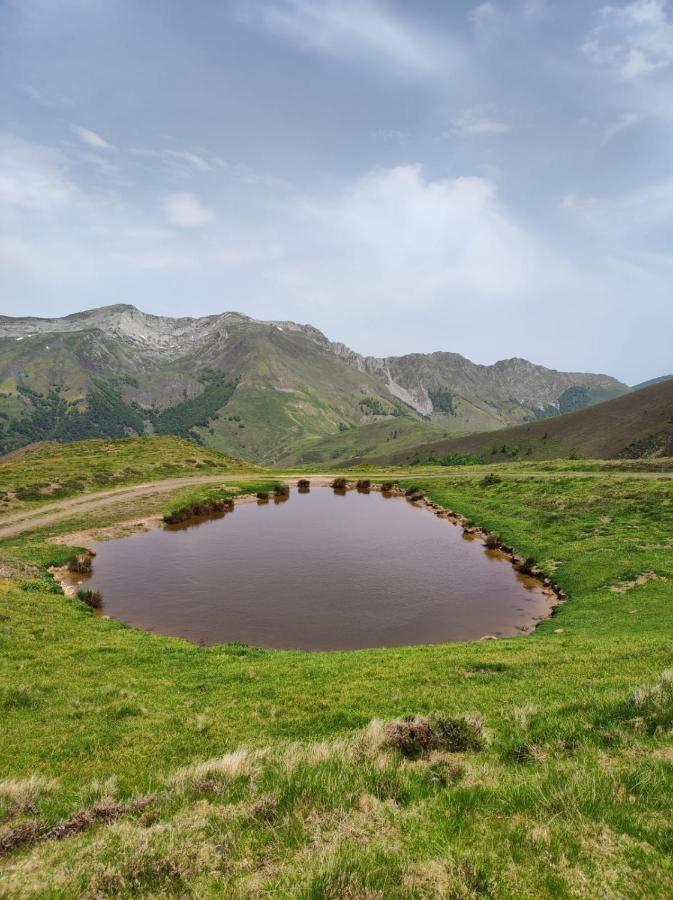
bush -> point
(490, 479)
(92, 598)
(339, 484)
(418, 735)
(528, 565)
(282, 491)
(80, 564)
(197, 509)
(387, 487)
(364, 485)
(262, 495)
(304, 484)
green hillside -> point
(134, 765)
(262, 391)
(635, 425)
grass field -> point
(137, 765)
(56, 471)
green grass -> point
(130, 735)
(56, 471)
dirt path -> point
(26, 520)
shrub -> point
(363, 485)
(198, 508)
(387, 487)
(80, 564)
(528, 565)
(262, 495)
(490, 479)
(92, 598)
(282, 490)
(418, 735)
(340, 484)
(304, 484)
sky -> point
(489, 178)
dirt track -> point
(26, 520)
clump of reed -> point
(364, 486)
(387, 487)
(416, 736)
(340, 484)
(490, 480)
(263, 496)
(304, 485)
(91, 597)
(414, 494)
(281, 492)
(197, 509)
(81, 564)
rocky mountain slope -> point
(261, 390)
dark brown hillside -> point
(637, 424)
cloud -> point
(475, 123)
(634, 40)
(623, 123)
(193, 159)
(350, 30)
(185, 210)
(31, 178)
(395, 238)
(91, 138)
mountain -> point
(636, 425)
(266, 391)
(643, 384)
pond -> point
(321, 571)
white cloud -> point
(396, 238)
(485, 17)
(193, 159)
(634, 39)
(623, 123)
(91, 138)
(185, 210)
(351, 29)
(31, 178)
(475, 123)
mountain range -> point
(273, 392)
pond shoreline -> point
(556, 596)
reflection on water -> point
(324, 571)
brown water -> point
(318, 572)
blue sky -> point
(493, 178)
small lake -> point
(320, 571)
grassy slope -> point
(571, 797)
(365, 442)
(599, 432)
(52, 471)
(291, 391)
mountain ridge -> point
(282, 384)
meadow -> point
(538, 766)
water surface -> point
(319, 572)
